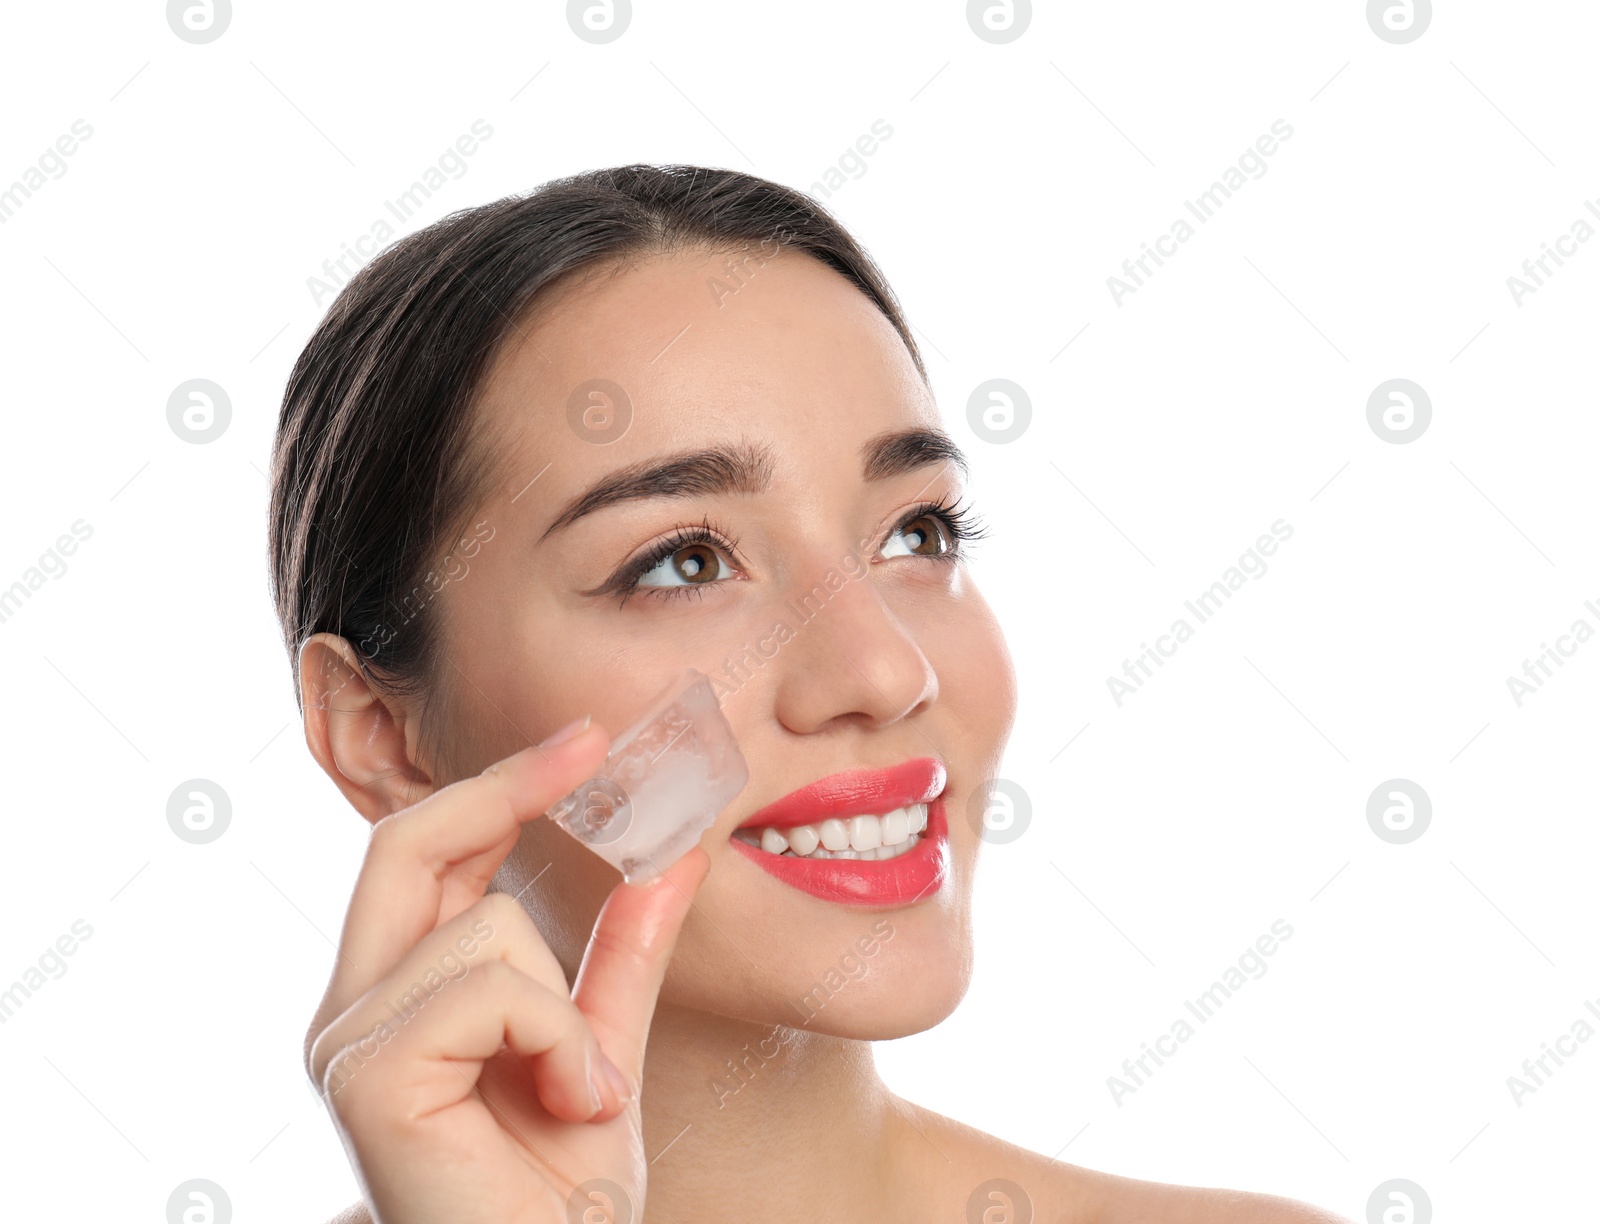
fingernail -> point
(615, 1078)
(575, 728)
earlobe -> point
(358, 735)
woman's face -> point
(810, 590)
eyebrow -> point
(905, 450)
(747, 468)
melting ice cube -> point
(666, 777)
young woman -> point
(539, 458)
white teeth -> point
(773, 842)
(896, 827)
(867, 838)
(866, 832)
(803, 839)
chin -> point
(888, 1014)
(905, 975)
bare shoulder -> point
(1128, 1200)
(355, 1214)
(966, 1173)
(970, 1162)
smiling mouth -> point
(876, 838)
(861, 837)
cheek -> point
(977, 681)
(974, 715)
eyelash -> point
(959, 520)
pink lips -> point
(879, 883)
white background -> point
(1228, 392)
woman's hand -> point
(467, 1083)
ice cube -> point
(667, 775)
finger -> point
(496, 928)
(414, 1067)
(627, 957)
(416, 854)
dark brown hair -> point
(375, 465)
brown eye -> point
(697, 563)
(691, 565)
(923, 536)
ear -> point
(364, 741)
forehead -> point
(683, 349)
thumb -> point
(627, 957)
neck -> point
(747, 1121)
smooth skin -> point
(477, 1109)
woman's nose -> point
(850, 658)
